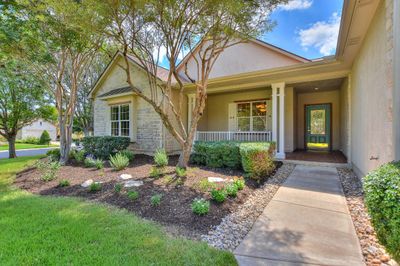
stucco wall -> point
(36, 129)
(316, 98)
(216, 118)
(371, 96)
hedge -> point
(382, 197)
(229, 154)
(103, 147)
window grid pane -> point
(120, 124)
(252, 116)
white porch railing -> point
(233, 136)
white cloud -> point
(296, 4)
(321, 35)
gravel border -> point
(235, 226)
(373, 252)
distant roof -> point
(116, 92)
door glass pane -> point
(114, 113)
(244, 124)
(259, 123)
(243, 109)
(114, 128)
(317, 122)
(259, 108)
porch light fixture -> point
(316, 88)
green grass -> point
(39, 230)
(24, 146)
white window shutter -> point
(232, 116)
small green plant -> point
(94, 163)
(239, 182)
(119, 161)
(168, 179)
(54, 154)
(156, 172)
(95, 186)
(200, 206)
(204, 185)
(161, 158)
(133, 195)
(117, 188)
(180, 172)
(128, 154)
(218, 194)
(79, 156)
(156, 200)
(179, 181)
(231, 190)
(48, 170)
(45, 138)
(63, 183)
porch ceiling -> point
(317, 85)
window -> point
(252, 116)
(120, 120)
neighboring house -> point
(36, 129)
(348, 102)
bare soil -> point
(174, 212)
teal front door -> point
(318, 127)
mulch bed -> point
(174, 212)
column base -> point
(280, 155)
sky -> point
(308, 28)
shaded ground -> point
(175, 209)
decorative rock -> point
(385, 258)
(133, 183)
(215, 179)
(87, 183)
(125, 176)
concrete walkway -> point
(306, 223)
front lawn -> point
(24, 146)
(39, 230)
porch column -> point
(278, 118)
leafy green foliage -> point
(118, 188)
(78, 155)
(382, 197)
(161, 158)
(119, 161)
(155, 200)
(180, 172)
(94, 163)
(200, 206)
(133, 195)
(257, 159)
(103, 147)
(95, 186)
(45, 138)
(239, 182)
(64, 183)
(204, 185)
(218, 194)
(128, 154)
(231, 190)
(48, 170)
(29, 140)
(53, 154)
(156, 172)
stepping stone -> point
(215, 179)
(125, 176)
(87, 183)
(133, 183)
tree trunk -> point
(65, 142)
(11, 147)
(185, 155)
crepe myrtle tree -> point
(200, 29)
(21, 96)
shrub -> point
(30, 140)
(103, 147)
(128, 154)
(54, 154)
(45, 138)
(204, 185)
(63, 183)
(382, 197)
(118, 187)
(161, 158)
(218, 194)
(156, 200)
(95, 186)
(119, 161)
(48, 170)
(200, 206)
(231, 190)
(257, 159)
(133, 195)
(79, 156)
(239, 182)
(156, 172)
(94, 163)
(180, 172)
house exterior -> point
(349, 102)
(36, 129)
